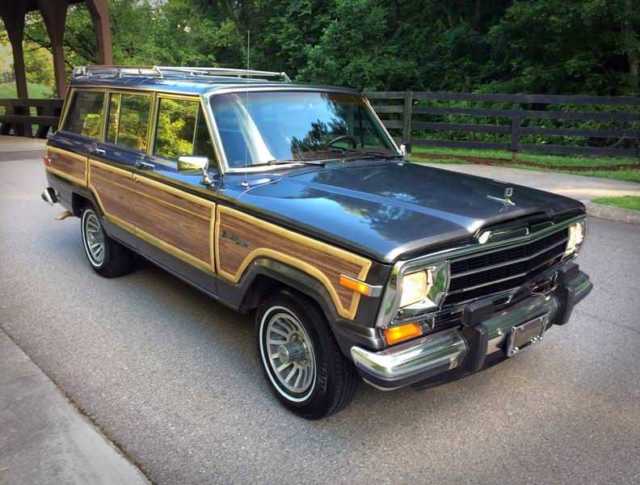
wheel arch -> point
(266, 276)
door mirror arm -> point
(203, 164)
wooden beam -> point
(54, 13)
(99, 10)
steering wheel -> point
(352, 139)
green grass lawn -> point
(550, 162)
(625, 202)
(8, 90)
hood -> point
(391, 210)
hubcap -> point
(290, 353)
(94, 238)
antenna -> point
(248, 49)
(245, 182)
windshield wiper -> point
(292, 162)
(369, 154)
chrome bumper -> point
(435, 354)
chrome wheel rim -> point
(289, 352)
(94, 240)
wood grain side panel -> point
(114, 190)
(178, 201)
(67, 164)
(177, 222)
(241, 238)
(183, 230)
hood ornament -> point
(506, 200)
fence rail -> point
(416, 118)
(20, 116)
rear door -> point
(113, 159)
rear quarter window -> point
(85, 114)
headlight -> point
(425, 289)
(576, 238)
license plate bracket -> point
(525, 334)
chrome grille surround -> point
(390, 311)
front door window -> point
(181, 130)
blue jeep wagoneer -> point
(293, 202)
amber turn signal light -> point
(400, 333)
(355, 285)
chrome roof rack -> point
(111, 72)
(221, 71)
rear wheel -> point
(106, 256)
(300, 358)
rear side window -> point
(128, 120)
(181, 130)
(85, 114)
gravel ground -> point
(172, 376)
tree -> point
(556, 46)
(537, 46)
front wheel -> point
(106, 256)
(300, 358)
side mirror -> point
(192, 163)
(405, 149)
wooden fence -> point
(29, 117)
(416, 118)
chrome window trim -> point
(390, 304)
(224, 164)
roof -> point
(183, 80)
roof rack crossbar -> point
(162, 71)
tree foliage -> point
(541, 46)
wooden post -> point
(54, 14)
(5, 129)
(516, 122)
(407, 114)
(13, 16)
(100, 16)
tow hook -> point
(49, 196)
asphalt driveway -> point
(172, 376)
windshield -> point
(259, 128)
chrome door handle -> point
(99, 151)
(144, 165)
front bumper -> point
(467, 347)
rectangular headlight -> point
(414, 288)
(425, 289)
(576, 238)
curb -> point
(612, 213)
(46, 428)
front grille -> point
(500, 270)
